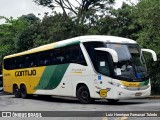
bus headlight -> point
(118, 85)
(122, 86)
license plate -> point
(138, 94)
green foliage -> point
(17, 35)
(148, 16)
(56, 28)
(119, 23)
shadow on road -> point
(75, 100)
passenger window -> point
(77, 55)
(69, 54)
(7, 64)
(30, 61)
(63, 55)
(59, 56)
(20, 62)
(45, 58)
(14, 63)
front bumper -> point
(129, 94)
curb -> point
(154, 97)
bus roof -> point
(104, 38)
(88, 38)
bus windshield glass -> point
(131, 63)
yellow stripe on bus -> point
(130, 84)
(34, 50)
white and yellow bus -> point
(86, 67)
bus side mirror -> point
(110, 51)
(152, 52)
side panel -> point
(50, 80)
(37, 78)
(52, 77)
(64, 80)
(30, 77)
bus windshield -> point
(131, 63)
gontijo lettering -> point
(25, 73)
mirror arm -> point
(111, 51)
(152, 52)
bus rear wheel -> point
(16, 91)
(83, 95)
(23, 92)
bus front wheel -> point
(16, 91)
(83, 95)
(23, 92)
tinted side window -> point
(90, 49)
(14, 63)
(45, 58)
(102, 64)
(59, 55)
(7, 64)
(20, 62)
(69, 54)
(30, 61)
(77, 55)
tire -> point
(23, 92)
(113, 100)
(83, 95)
(16, 91)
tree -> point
(81, 9)
(148, 15)
(24, 39)
(7, 45)
(17, 35)
(56, 28)
(120, 22)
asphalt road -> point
(35, 103)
